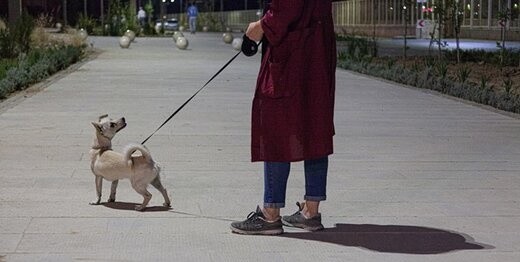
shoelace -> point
(300, 206)
(252, 216)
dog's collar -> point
(102, 148)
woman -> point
(292, 116)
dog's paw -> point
(167, 204)
(95, 202)
(111, 200)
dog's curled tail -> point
(131, 148)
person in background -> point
(193, 12)
(293, 110)
(141, 16)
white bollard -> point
(227, 37)
(176, 35)
(124, 41)
(130, 34)
(83, 34)
(182, 43)
(237, 44)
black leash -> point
(249, 48)
(187, 101)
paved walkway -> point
(415, 177)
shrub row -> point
(427, 78)
(506, 57)
(36, 66)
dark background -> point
(55, 7)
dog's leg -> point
(113, 188)
(157, 184)
(141, 189)
(99, 184)
(146, 198)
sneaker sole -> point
(302, 226)
(271, 232)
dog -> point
(112, 166)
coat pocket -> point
(278, 85)
(283, 76)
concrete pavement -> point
(416, 176)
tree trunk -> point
(65, 12)
(15, 11)
(102, 18)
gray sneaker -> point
(298, 220)
(255, 224)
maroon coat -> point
(293, 107)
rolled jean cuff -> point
(274, 205)
(315, 198)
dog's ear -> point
(102, 116)
(98, 127)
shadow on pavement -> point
(131, 206)
(393, 238)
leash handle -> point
(187, 101)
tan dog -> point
(112, 166)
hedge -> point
(428, 78)
(36, 66)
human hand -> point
(254, 31)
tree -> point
(504, 16)
(15, 11)
(407, 5)
(457, 17)
(440, 16)
(374, 42)
(65, 12)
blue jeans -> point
(193, 23)
(277, 173)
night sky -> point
(228, 5)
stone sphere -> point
(130, 34)
(182, 43)
(237, 44)
(124, 42)
(227, 37)
(205, 28)
(158, 29)
(176, 35)
(83, 34)
(181, 28)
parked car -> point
(171, 24)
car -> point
(171, 24)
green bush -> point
(86, 22)
(5, 65)
(21, 32)
(17, 38)
(435, 78)
(7, 45)
(511, 57)
(35, 66)
(358, 48)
